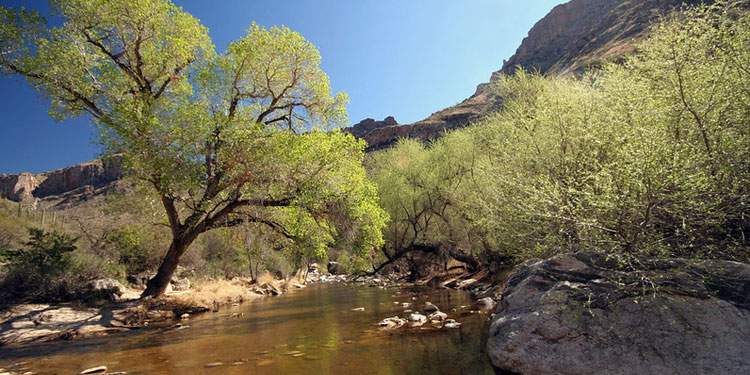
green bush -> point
(136, 251)
(42, 268)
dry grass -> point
(266, 278)
(209, 294)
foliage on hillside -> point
(647, 157)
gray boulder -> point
(180, 284)
(103, 289)
(592, 313)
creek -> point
(309, 331)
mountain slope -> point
(572, 37)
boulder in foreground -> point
(593, 313)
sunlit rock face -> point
(581, 33)
(79, 181)
(593, 313)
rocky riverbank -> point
(593, 313)
(33, 323)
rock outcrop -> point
(70, 184)
(572, 37)
(592, 313)
(362, 128)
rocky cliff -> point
(78, 181)
(572, 37)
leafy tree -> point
(246, 136)
(426, 190)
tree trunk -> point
(157, 286)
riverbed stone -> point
(450, 323)
(438, 316)
(417, 319)
(486, 302)
(429, 307)
(94, 370)
(392, 322)
(593, 313)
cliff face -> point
(367, 125)
(580, 33)
(572, 37)
(78, 181)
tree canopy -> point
(223, 139)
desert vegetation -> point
(648, 157)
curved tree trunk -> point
(432, 248)
(157, 286)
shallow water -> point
(306, 332)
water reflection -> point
(308, 332)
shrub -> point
(42, 268)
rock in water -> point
(417, 319)
(94, 370)
(593, 313)
(392, 322)
(429, 307)
(487, 302)
(450, 323)
(438, 316)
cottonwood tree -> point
(245, 136)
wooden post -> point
(54, 219)
(19, 211)
(44, 213)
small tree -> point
(41, 266)
(246, 136)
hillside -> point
(572, 37)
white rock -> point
(450, 323)
(417, 317)
(392, 322)
(438, 315)
(94, 370)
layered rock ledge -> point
(593, 313)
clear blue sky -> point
(401, 58)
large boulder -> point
(592, 313)
(103, 289)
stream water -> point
(305, 332)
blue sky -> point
(406, 59)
